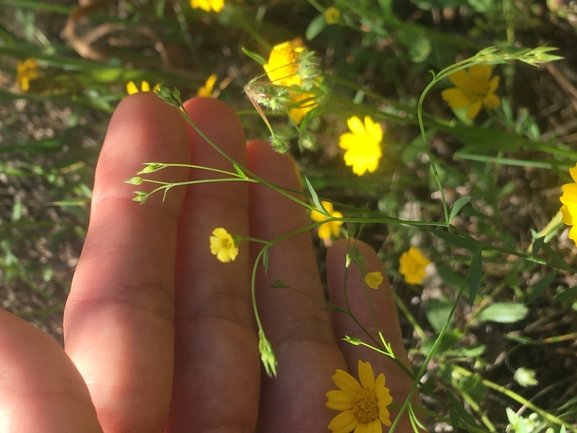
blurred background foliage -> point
(508, 358)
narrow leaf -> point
(314, 196)
(475, 273)
(459, 204)
(255, 56)
(541, 286)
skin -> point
(159, 335)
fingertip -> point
(276, 168)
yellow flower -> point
(206, 90)
(223, 246)
(332, 15)
(569, 208)
(282, 66)
(207, 5)
(26, 71)
(362, 145)
(413, 264)
(474, 89)
(373, 279)
(330, 228)
(363, 405)
(282, 70)
(131, 88)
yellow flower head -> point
(362, 145)
(282, 66)
(299, 105)
(223, 246)
(208, 87)
(26, 71)
(474, 88)
(569, 208)
(413, 264)
(363, 405)
(373, 279)
(207, 5)
(330, 228)
(332, 15)
(131, 88)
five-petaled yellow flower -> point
(474, 88)
(208, 87)
(131, 88)
(26, 71)
(282, 69)
(207, 5)
(223, 246)
(413, 264)
(374, 279)
(569, 208)
(363, 405)
(362, 145)
(329, 228)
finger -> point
(119, 315)
(299, 330)
(376, 313)
(40, 389)
(217, 372)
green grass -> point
(478, 196)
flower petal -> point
(480, 72)
(344, 422)
(491, 101)
(473, 110)
(455, 97)
(356, 126)
(460, 78)
(346, 382)
(366, 375)
(339, 400)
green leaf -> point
(459, 204)
(255, 56)
(438, 311)
(541, 286)
(475, 273)
(566, 295)
(315, 27)
(459, 241)
(503, 312)
(314, 195)
(461, 411)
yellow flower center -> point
(365, 406)
(479, 88)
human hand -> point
(161, 336)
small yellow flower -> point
(208, 87)
(569, 208)
(373, 279)
(363, 405)
(330, 228)
(26, 71)
(282, 66)
(131, 88)
(207, 5)
(362, 145)
(223, 246)
(332, 15)
(413, 264)
(474, 88)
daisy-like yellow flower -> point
(569, 208)
(332, 15)
(363, 405)
(207, 5)
(330, 228)
(282, 69)
(413, 264)
(208, 87)
(474, 88)
(131, 88)
(362, 145)
(223, 246)
(282, 66)
(374, 279)
(26, 71)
